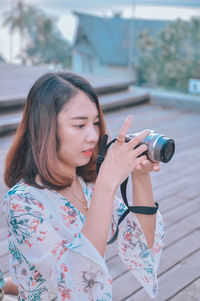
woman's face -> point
(78, 131)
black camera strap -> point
(147, 210)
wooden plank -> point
(167, 122)
(183, 126)
(147, 117)
(182, 228)
(190, 293)
(168, 180)
(5, 263)
(170, 203)
(179, 250)
(126, 98)
(4, 248)
(3, 233)
(190, 192)
(187, 209)
(170, 174)
(165, 183)
(175, 186)
(173, 280)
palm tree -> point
(48, 45)
(14, 18)
(44, 42)
(24, 19)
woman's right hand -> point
(122, 158)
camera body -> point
(160, 148)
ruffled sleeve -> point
(133, 249)
(71, 266)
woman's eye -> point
(80, 126)
(97, 123)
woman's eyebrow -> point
(79, 117)
(82, 117)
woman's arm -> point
(97, 224)
(120, 161)
(143, 196)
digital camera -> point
(160, 148)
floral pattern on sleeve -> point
(133, 249)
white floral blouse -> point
(52, 260)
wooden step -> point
(10, 121)
(123, 99)
(16, 81)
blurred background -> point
(143, 58)
(156, 43)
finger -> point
(140, 159)
(156, 167)
(138, 138)
(148, 164)
(145, 162)
(138, 167)
(124, 129)
(140, 149)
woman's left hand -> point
(146, 166)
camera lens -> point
(167, 150)
(160, 148)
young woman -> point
(60, 213)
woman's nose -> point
(93, 134)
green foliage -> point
(171, 58)
(44, 43)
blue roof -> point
(109, 38)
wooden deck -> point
(177, 189)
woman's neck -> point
(69, 171)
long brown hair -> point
(35, 147)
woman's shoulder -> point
(24, 194)
(24, 198)
(20, 189)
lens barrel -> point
(160, 148)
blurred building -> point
(108, 45)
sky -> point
(62, 10)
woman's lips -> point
(88, 153)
